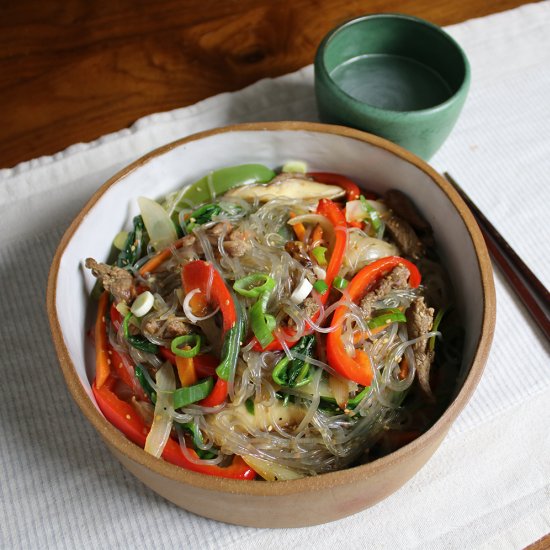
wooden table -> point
(73, 70)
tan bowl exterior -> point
(320, 499)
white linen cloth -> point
(488, 486)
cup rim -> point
(319, 64)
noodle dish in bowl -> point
(274, 322)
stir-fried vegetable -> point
(295, 372)
(102, 368)
(359, 368)
(134, 245)
(159, 226)
(280, 335)
(220, 181)
(186, 340)
(164, 406)
(122, 415)
(137, 341)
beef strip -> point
(403, 207)
(116, 280)
(166, 328)
(298, 251)
(405, 237)
(419, 322)
(213, 233)
(396, 279)
(236, 249)
(234, 242)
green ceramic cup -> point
(393, 75)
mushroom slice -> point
(292, 188)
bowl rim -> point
(320, 65)
(115, 439)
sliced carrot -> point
(158, 259)
(317, 235)
(186, 369)
(155, 261)
(299, 229)
(102, 361)
(358, 336)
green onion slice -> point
(193, 340)
(392, 315)
(191, 394)
(340, 283)
(320, 286)
(262, 324)
(373, 213)
(319, 254)
(252, 286)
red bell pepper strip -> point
(359, 368)
(336, 217)
(123, 416)
(118, 368)
(102, 361)
(352, 190)
(198, 274)
(217, 395)
(116, 317)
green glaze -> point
(395, 76)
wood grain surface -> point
(73, 70)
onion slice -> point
(143, 304)
(187, 308)
(159, 226)
(301, 292)
(164, 408)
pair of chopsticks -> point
(531, 291)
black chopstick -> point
(531, 291)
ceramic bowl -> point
(370, 161)
(394, 75)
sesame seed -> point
(128, 417)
